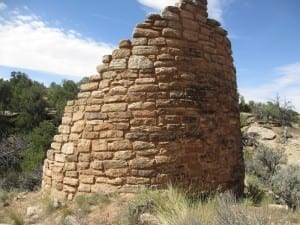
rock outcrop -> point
(163, 107)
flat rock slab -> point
(263, 133)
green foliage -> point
(265, 162)
(244, 107)
(39, 141)
(255, 190)
(286, 184)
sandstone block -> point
(114, 107)
(64, 129)
(166, 70)
(77, 116)
(71, 181)
(84, 157)
(84, 145)
(145, 50)
(89, 86)
(148, 33)
(99, 145)
(56, 146)
(96, 116)
(114, 164)
(111, 134)
(108, 75)
(190, 35)
(124, 155)
(84, 188)
(103, 155)
(125, 44)
(69, 166)
(120, 145)
(97, 165)
(78, 126)
(86, 179)
(142, 173)
(73, 174)
(106, 58)
(60, 157)
(93, 108)
(60, 138)
(143, 88)
(145, 81)
(139, 41)
(118, 64)
(97, 94)
(142, 145)
(68, 148)
(171, 33)
(138, 180)
(121, 172)
(141, 136)
(66, 120)
(82, 95)
(141, 163)
(50, 154)
(83, 165)
(139, 62)
(69, 189)
(121, 53)
(119, 90)
(170, 15)
(120, 115)
(142, 106)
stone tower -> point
(162, 108)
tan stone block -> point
(171, 33)
(145, 81)
(84, 188)
(120, 115)
(64, 129)
(147, 152)
(117, 172)
(186, 14)
(66, 120)
(74, 137)
(111, 134)
(77, 116)
(71, 181)
(145, 50)
(190, 25)
(142, 106)
(96, 77)
(98, 94)
(83, 165)
(70, 166)
(56, 146)
(104, 188)
(166, 70)
(93, 108)
(157, 41)
(68, 148)
(148, 33)
(143, 122)
(114, 164)
(97, 165)
(84, 145)
(71, 158)
(103, 126)
(120, 145)
(139, 41)
(50, 154)
(141, 145)
(114, 107)
(141, 163)
(144, 113)
(120, 126)
(138, 180)
(90, 135)
(78, 126)
(69, 189)
(73, 174)
(124, 155)
(60, 138)
(142, 173)
(121, 53)
(136, 96)
(113, 181)
(118, 64)
(102, 155)
(125, 44)
(84, 157)
(139, 62)
(59, 157)
(161, 159)
(99, 145)
(137, 135)
(89, 86)
(118, 90)
(96, 116)
(83, 95)
(166, 14)
(87, 179)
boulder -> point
(261, 132)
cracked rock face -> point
(162, 108)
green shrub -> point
(255, 190)
(286, 184)
(266, 162)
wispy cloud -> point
(215, 7)
(287, 85)
(28, 42)
(2, 6)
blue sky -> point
(52, 40)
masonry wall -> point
(163, 107)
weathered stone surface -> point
(139, 62)
(162, 107)
(263, 133)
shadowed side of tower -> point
(163, 107)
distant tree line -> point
(29, 115)
(279, 111)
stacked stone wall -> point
(163, 107)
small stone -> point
(125, 44)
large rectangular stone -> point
(114, 164)
(145, 50)
(114, 107)
(120, 145)
(99, 145)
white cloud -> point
(287, 85)
(2, 6)
(215, 7)
(27, 42)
